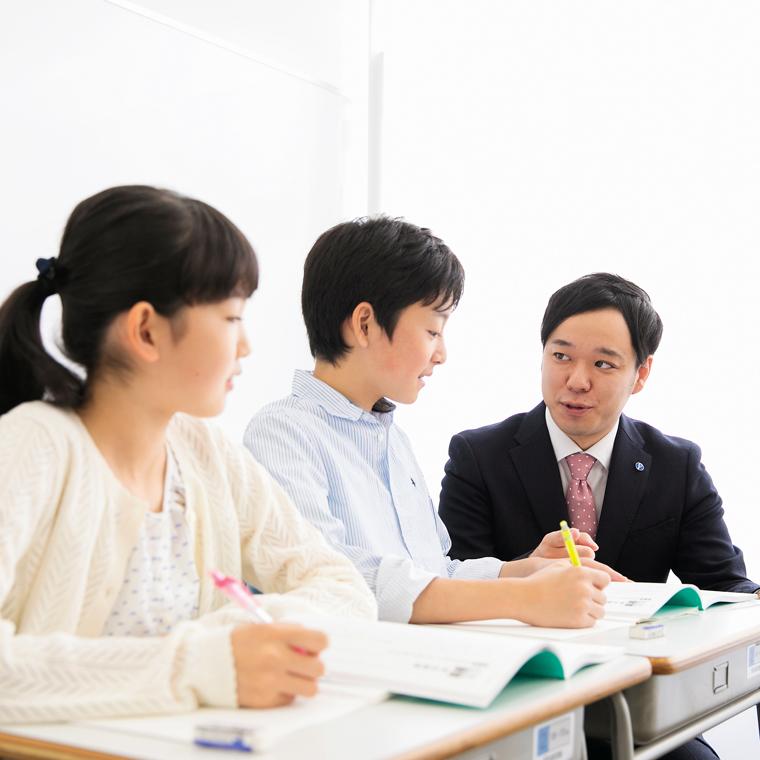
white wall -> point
(546, 140)
(257, 108)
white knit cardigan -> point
(67, 527)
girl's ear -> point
(141, 331)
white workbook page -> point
(269, 725)
(448, 665)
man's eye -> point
(604, 365)
(433, 333)
(560, 356)
(234, 319)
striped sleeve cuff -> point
(398, 584)
(484, 568)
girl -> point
(115, 502)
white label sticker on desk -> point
(753, 660)
(554, 740)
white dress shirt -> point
(602, 451)
(352, 473)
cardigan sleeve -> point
(61, 676)
(47, 672)
(284, 554)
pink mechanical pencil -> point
(239, 593)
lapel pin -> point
(639, 466)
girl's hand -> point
(275, 663)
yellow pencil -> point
(567, 537)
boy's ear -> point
(140, 332)
(361, 321)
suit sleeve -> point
(465, 504)
(706, 555)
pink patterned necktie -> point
(580, 497)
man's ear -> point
(359, 325)
(642, 373)
(140, 332)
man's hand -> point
(522, 568)
(614, 574)
(552, 545)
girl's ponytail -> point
(27, 371)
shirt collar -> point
(563, 445)
(305, 385)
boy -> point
(377, 294)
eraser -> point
(648, 630)
(224, 737)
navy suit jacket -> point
(502, 493)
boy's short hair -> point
(607, 291)
(386, 262)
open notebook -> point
(634, 602)
(627, 603)
(445, 665)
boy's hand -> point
(275, 663)
(552, 545)
(563, 596)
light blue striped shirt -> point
(353, 474)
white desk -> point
(403, 729)
(700, 678)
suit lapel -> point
(537, 468)
(628, 475)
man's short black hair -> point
(388, 263)
(607, 291)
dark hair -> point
(389, 263)
(120, 246)
(607, 291)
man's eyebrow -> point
(611, 352)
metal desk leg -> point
(621, 731)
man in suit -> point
(643, 500)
